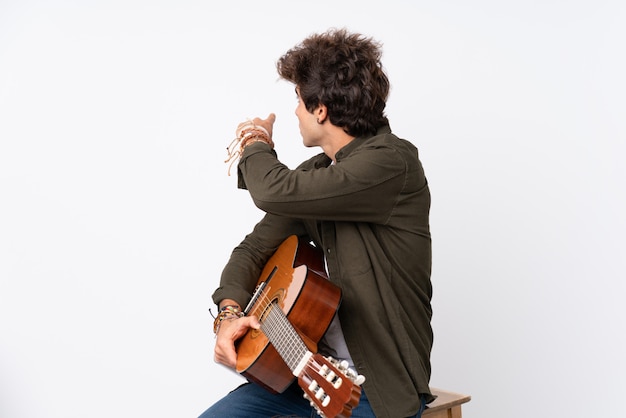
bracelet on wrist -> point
(246, 134)
(226, 312)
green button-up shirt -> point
(369, 213)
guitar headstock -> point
(331, 387)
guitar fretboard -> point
(283, 336)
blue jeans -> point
(252, 401)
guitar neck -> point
(284, 338)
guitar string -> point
(279, 331)
(285, 339)
(282, 336)
(326, 385)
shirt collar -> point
(346, 150)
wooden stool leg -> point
(447, 405)
(455, 412)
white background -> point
(117, 214)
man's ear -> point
(321, 113)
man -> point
(365, 202)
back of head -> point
(342, 71)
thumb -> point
(253, 322)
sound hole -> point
(272, 303)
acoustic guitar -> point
(295, 303)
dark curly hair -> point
(342, 71)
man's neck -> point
(338, 139)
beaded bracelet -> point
(226, 312)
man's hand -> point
(267, 123)
(230, 331)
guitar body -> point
(294, 278)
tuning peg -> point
(358, 379)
